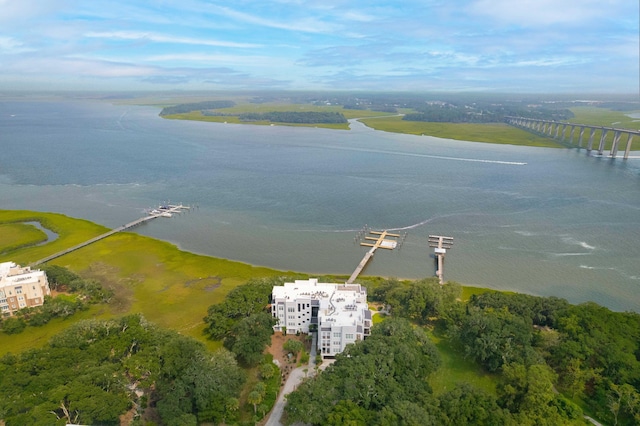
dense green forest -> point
(196, 106)
(554, 361)
(482, 113)
(96, 371)
(306, 117)
(242, 322)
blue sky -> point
(531, 46)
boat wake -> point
(437, 157)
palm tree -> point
(254, 398)
(231, 406)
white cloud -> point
(159, 38)
(550, 62)
(546, 12)
(78, 67)
(9, 45)
(309, 25)
(14, 12)
(227, 60)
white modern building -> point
(339, 312)
(21, 288)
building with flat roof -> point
(21, 287)
(338, 312)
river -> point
(535, 220)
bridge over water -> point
(558, 131)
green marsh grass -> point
(277, 107)
(16, 235)
(198, 116)
(604, 117)
(171, 288)
(489, 133)
(593, 116)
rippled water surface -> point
(541, 221)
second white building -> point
(339, 312)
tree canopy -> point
(95, 371)
(196, 106)
(384, 375)
(306, 117)
(241, 302)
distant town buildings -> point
(21, 288)
(339, 312)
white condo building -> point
(21, 288)
(339, 312)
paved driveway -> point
(294, 379)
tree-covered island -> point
(468, 117)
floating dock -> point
(379, 241)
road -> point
(294, 379)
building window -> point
(336, 343)
(336, 334)
(291, 309)
(348, 336)
(18, 290)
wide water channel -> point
(535, 220)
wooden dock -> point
(440, 244)
(163, 211)
(380, 241)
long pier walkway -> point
(163, 211)
(379, 242)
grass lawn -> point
(377, 318)
(456, 369)
(490, 133)
(171, 288)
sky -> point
(517, 46)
